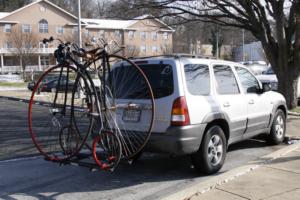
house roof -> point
(5, 14)
(106, 23)
(147, 16)
(120, 24)
(92, 23)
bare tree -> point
(166, 49)
(276, 24)
(24, 45)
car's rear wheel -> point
(278, 128)
(210, 157)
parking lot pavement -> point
(153, 177)
(15, 140)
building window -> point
(75, 30)
(43, 26)
(165, 36)
(86, 33)
(26, 28)
(28, 46)
(7, 28)
(60, 30)
(143, 35)
(130, 48)
(101, 34)
(131, 35)
(42, 45)
(45, 60)
(8, 45)
(143, 49)
(154, 36)
(154, 49)
(117, 34)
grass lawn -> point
(5, 84)
(297, 109)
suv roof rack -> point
(178, 55)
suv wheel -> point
(211, 155)
(277, 133)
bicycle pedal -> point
(93, 169)
(111, 169)
(130, 162)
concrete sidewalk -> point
(276, 180)
(273, 177)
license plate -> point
(131, 115)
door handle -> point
(226, 104)
(251, 101)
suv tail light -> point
(180, 113)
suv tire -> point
(278, 128)
(211, 155)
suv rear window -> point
(197, 79)
(160, 77)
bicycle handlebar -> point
(65, 51)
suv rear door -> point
(231, 101)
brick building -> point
(142, 36)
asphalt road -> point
(153, 176)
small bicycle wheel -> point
(107, 150)
(127, 104)
(59, 112)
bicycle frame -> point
(82, 69)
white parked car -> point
(204, 105)
(269, 76)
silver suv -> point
(204, 105)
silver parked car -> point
(256, 67)
(204, 105)
(269, 76)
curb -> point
(293, 113)
(3, 89)
(217, 180)
(291, 137)
(15, 99)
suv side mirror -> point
(266, 87)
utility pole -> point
(243, 45)
(79, 24)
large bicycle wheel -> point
(127, 104)
(59, 112)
